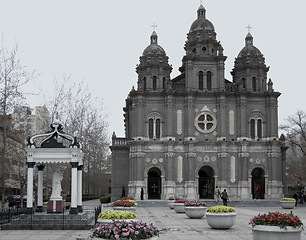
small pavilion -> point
(59, 149)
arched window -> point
(144, 83)
(252, 128)
(256, 127)
(151, 128)
(254, 84)
(154, 128)
(259, 128)
(201, 80)
(154, 83)
(164, 83)
(208, 80)
(243, 84)
(157, 128)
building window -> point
(254, 84)
(157, 128)
(252, 128)
(154, 128)
(208, 80)
(201, 80)
(243, 84)
(144, 83)
(151, 128)
(256, 128)
(259, 128)
(164, 83)
(154, 83)
(205, 122)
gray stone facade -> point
(186, 135)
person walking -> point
(123, 192)
(217, 194)
(224, 197)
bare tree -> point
(294, 130)
(82, 116)
(13, 75)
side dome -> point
(249, 55)
(154, 48)
(249, 48)
(201, 23)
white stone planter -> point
(287, 204)
(261, 232)
(179, 207)
(100, 220)
(171, 204)
(220, 220)
(131, 209)
(195, 212)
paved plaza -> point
(173, 226)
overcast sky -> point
(100, 42)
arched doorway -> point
(206, 183)
(258, 180)
(154, 183)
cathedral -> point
(188, 134)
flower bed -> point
(117, 215)
(124, 230)
(123, 204)
(288, 199)
(195, 203)
(221, 209)
(281, 220)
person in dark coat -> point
(295, 196)
(224, 197)
(141, 194)
(123, 192)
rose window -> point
(205, 122)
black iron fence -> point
(23, 219)
(10, 214)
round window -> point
(204, 49)
(205, 122)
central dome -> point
(201, 23)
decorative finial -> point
(154, 26)
(201, 2)
(249, 27)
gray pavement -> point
(173, 226)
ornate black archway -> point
(154, 183)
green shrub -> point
(221, 209)
(288, 199)
(105, 199)
(116, 215)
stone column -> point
(80, 207)
(30, 186)
(74, 189)
(40, 181)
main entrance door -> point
(258, 181)
(154, 183)
(206, 182)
